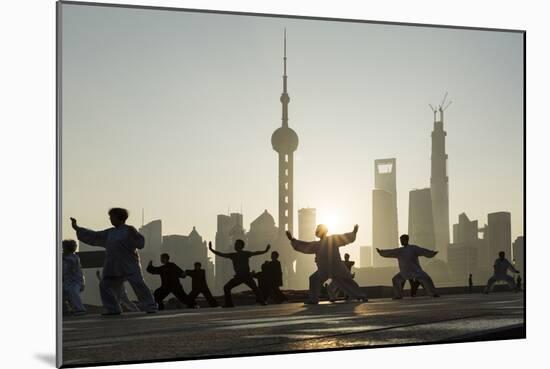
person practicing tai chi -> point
(125, 301)
(332, 291)
(121, 243)
(198, 285)
(170, 275)
(240, 259)
(329, 263)
(501, 267)
(73, 280)
(270, 279)
(409, 267)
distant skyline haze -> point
(173, 112)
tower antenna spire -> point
(285, 99)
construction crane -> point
(441, 107)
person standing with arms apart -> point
(501, 267)
(121, 243)
(329, 263)
(409, 267)
(240, 259)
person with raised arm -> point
(121, 243)
(329, 263)
(170, 274)
(240, 259)
(199, 285)
(409, 267)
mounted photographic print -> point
(235, 184)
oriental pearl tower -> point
(285, 141)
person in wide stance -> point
(240, 259)
(170, 275)
(409, 267)
(329, 263)
(501, 267)
(121, 243)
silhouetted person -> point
(334, 291)
(73, 280)
(240, 259)
(170, 275)
(470, 284)
(123, 298)
(329, 263)
(518, 283)
(264, 285)
(199, 285)
(275, 279)
(501, 267)
(409, 267)
(121, 243)
(349, 263)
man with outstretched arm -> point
(240, 259)
(170, 275)
(329, 262)
(199, 285)
(121, 243)
(409, 267)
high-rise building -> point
(384, 209)
(285, 141)
(262, 232)
(421, 222)
(152, 232)
(365, 256)
(519, 253)
(229, 229)
(185, 251)
(439, 185)
(305, 263)
(499, 234)
(466, 251)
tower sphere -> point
(284, 140)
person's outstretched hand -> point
(150, 262)
(210, 245)
(378, 250)
(355, 228)
(73, 223)
(289, 235)
(267, 247)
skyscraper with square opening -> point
(384, 210)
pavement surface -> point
(291, 327)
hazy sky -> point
(173, 112)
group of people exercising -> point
(122, 264)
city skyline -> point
(126, 177)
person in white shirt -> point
(73, 280)
(329, 263)
(121, 243)
(125, 301)
(501, 267)
(409, 267)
